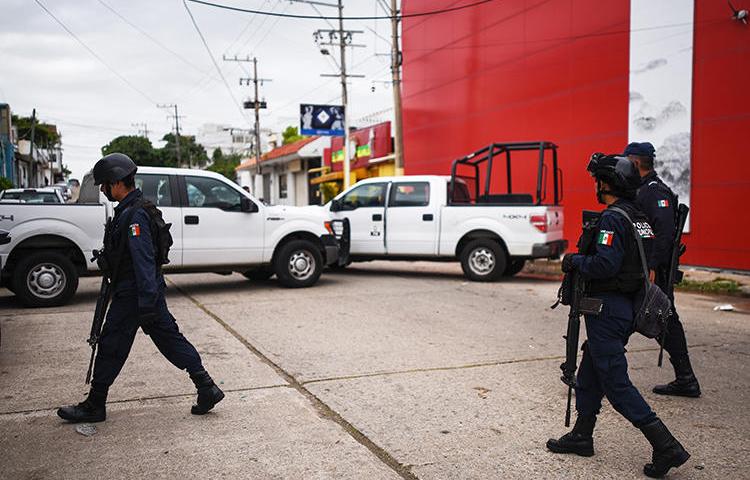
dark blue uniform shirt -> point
(146, 279)
(657, 201)
(609, 241)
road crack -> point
(404, 471)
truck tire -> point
(260, 274)
(483, 260)
(45, 279)
(514, 266)
(298, 264)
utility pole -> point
(34, 166)
(176, 117)
(142, 128)
(398, 132)
(341, 38)
(257, 104)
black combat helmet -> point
(112, 168)
(617, 171)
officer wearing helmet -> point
(659, 204)
(137, 299)
(612, 268)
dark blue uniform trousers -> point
(675, 344)
(119, 332)
(604, 368)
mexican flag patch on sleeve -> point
(663, 203)
(135, 230)
(605, 237)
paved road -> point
(387, 370)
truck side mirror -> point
(336, 205)
(248, 205)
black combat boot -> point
(685, 384)
(668, 452)
(580, 440)
(88, 411)
(208, 393)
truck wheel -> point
(45, 279)
(298, 264)
(483, 260)
(258, 274)
(514, 266)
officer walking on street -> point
(611, 266)
(138, 299)
(659, 203)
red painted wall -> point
(557, 70)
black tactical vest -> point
(629, 279)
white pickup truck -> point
(216, 227)
(468, 216)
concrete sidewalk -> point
(385, 370)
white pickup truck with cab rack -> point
(469, 216)
(216, 227)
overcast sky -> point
(44, 67)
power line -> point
(319, 17)
(213, 60)
(94, 54)
(154, 40)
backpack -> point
(160, 235)
(159, 232)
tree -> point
(45, 134)
(191, 153)
(225, 164)
(290, 135)
(138, 148)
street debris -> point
(482, 392)
(86, 429)
(727, 307)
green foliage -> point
(45, 134)
(225, 164)
(328, 190)
(136, 147)
(290, 135)
(717, 285)
(143, 152)
(192, 154)
(5, 184)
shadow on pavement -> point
(406, 272)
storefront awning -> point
(328, 177)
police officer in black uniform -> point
(659, 203)
(137, 299)
(613, 272)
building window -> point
(282, 185)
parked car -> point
(4, 239)
(32, 195)
(470, 216)
(216, 227)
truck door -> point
(215, 229)
(364, 206)
(162, 191)
(411, 220)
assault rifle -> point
(102, 302)
(673, 274)
(572, 293)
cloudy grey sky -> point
(43, 67)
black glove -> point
(567, 263)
